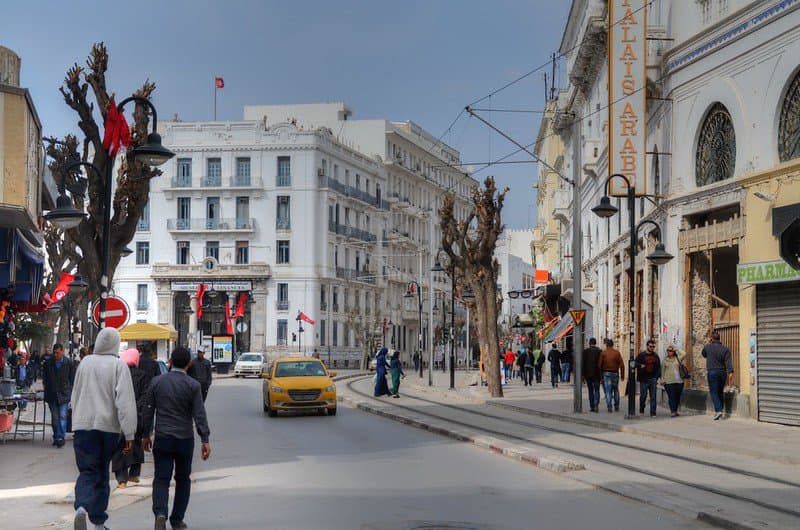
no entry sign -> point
(117, 312)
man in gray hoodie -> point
(103, 414)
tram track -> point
(616, 463)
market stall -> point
(160, 336)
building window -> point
(789, 122)
(184, 176)
(213, 172)
(283, 326)
(141, 297)
(242, 212)
(183, 253)
(242, 253)
(283, 297)
(715, 159)
(142, 252)
(242, 177)
(184, 213)
(335, 328)
(283, 220)
(284, 171)
(322, 337)
(144, 221)
(212, 249)
(283, 252)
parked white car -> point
(249, 363)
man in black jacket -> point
(648, 372)
(147, 364)
(718, 363)
(58, 378)
(591, 373)
(201, 371)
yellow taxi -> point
(298, 383)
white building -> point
(513, 253)
(285, 207)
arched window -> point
(715, 159)
(789, 123)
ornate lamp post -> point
(658, 257)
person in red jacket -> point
(508, 363)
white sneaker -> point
(717, 416)
(80, 519)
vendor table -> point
(39, 423)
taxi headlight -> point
(276, 389)
(330, 388)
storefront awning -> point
(21, 266)
(548, 326)
(522, 320)
(145, 331)
(563, 327)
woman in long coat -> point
(381, 387)
(396, 369)
(127, 468)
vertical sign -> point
(627, 94)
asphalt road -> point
(356, 471)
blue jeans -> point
(169, 453)
(593, 387)
(648, 386)
(58, 420)
(565, 368)
(716, 384)
(611, 388)
(93, 452)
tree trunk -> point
(487, 318)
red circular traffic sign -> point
(117, 312)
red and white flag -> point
(62, 289)
(117, 133)
(201, 293)
(302, 316)
(219, 82)
(228, 321)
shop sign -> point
(627, 95)
(765, 272)
(217, 286)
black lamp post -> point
(409, 294)
(66, 216)
(437, 267)
(659, 257)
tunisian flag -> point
(219, 82)
(117, 133)
(240, 302)
(302, 316)
(201, 293)
(61, 290)
(228, 321)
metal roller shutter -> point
(778, 365)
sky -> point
(419, 60)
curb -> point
(687, 442)
(556, 465)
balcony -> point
(392, 197)
(181, 182)
(283, 181)
(241, 181)
(282, 305)
(283, 224)
(349, 231)
(142, 306)
(211, 225)
(143, 225)
(353, 192)
(355, 275)
(335, 307)
(211, 182)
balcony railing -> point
(283, 180)
(181, 182)
(335, 307)
(282, 305)
(211, 182)
(353, 232)
(241, 224)
(353, 192)
(142, 306)
(241, 181)
(283, 224)
(143, 225)
(353, 274)
(323, 306)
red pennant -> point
(219, 82)
(117, 133)
(61, 290)
(302, 316)
(228, 321)
(240, 303)
(201, 293)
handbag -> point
(684, 373)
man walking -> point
(591, 374)
(566, 364)
(554, 357)
(612, 367)
(529, 367)
(58, 377)
(508, 363)
(522, 360)
(538, 362)
(104, 406)
(718, 363)
(176, 400)
(200, 370)
(648, 372)
(148, 364)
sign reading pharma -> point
(627, 94)
(765, 272)
(233, 286)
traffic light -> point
(790, 245)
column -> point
(258, 318)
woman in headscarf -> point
(381, 388)
(127, 468)
(396, 369)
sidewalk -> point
(768, 441)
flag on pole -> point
(219, 82)
(240, 303)
(302, 316)
(201, 293)
(228, 322)
(117, 133)
(62, 289)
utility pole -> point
(577, 248)
(430, 300)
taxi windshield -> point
(299, 369)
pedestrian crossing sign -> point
(577, 315)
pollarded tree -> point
(470, 245)
(132, 177)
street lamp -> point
(437, 267)
(125, 252)
(410, 294)
(151, 153)
(658, 257)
